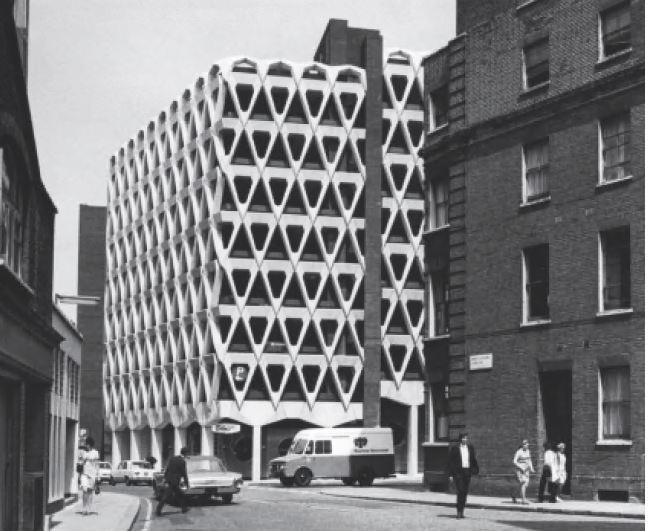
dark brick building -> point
(27, 338)
(92, 272)
(535, 250)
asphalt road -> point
(271, 508)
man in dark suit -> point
(175, 471)
(462, 463)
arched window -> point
(12, 215)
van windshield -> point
(297, 447)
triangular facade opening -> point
(414, 279)
(328, 298)
(279, 96)
(312, 159)
(261, 108)
(241, 246)
(275, 343)
(295, 112)
(243, 151)
(258, 294)
(329, 206)
(244, 95)
(293, 389)
(257, 389)
(311, 252)
(348, 101)
(277, 157)
(296, 144)
(310, 343)
(293, 297)
(241, 278)
(328, 388)
(398, 232)
(330, 113)
(294, 233)
(314, 101)
(240, 341)
(347, 160)
(276, 280)
(278, 189)
(295, 203)
(242, 186)
(259, 201)
(276, 249)
(397, 323)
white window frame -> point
(600, 40)
(526, 85)
(432, 123)
(601, 441)
(601, 278)
(524, 277)
(525, 192)
(434, 188)
(600, 156)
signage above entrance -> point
(226, 428)
(480, 362)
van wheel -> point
(349, 481)
(111, 481)
(366, 477)
(303, 477)
(127, 481)
(227, 498)
(287, 482)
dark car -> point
(208, 478)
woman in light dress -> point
(523, 467)
(88, 479)
(560, 475)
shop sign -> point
(481, 362)
(226, 428)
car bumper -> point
(208, 490)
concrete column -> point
(117, 449)
(256, 453)
(413, 440)
(207, 440)
(180, 439)
(134, 442)
(156, 447)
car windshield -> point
(104, 465)
(141, 464)
(298, 446)
(205, 464)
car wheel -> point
(286, 481)
(111, 481)
(366, 477)
(127, 481)
(227, 498)
(349, 481)
(303, 477)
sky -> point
(100, 70)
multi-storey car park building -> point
(236, 261)
(535, 250)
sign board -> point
(226, 428)
(480, 362)
(240, 373)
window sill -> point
(605, 185)
(436, 229)
(536, 89)
(614, 313)
(535, 203)
(435, 443)
(440, 337)
(614, 442)
(439, 128)
(536, 324)
(610, 60)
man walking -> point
(462, 463)
(175, 471)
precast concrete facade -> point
(235, 253)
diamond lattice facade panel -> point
(235, 251)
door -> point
(556, 398)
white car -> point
(105, 472)
(131, 472)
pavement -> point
(110, 512)
(118, 512)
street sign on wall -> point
(480, 362)
(226, 428)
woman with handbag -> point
(88, 460)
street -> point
(271, 507)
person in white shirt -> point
(549, 466)
(561, 474)
(523, 466)
(462, 463)
(88, 459)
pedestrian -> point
(462, 463)
(89, 474)
(549, 459)
(561, 474)
(176, 471)
(523, 467)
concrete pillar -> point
(256, 453)
(156, 447)
(117, 448)
(207, 440)
(180, 439)
(413, 440)
(134, 442)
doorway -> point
(556, 399)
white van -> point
(351, 454)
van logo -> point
(360, 442)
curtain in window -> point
(537, 160)
(440, 204)
(616, 29)
(537, 63)
(615, 402)
(615, 140)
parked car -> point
(208, 478)
(105, 472)
(131, 472)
